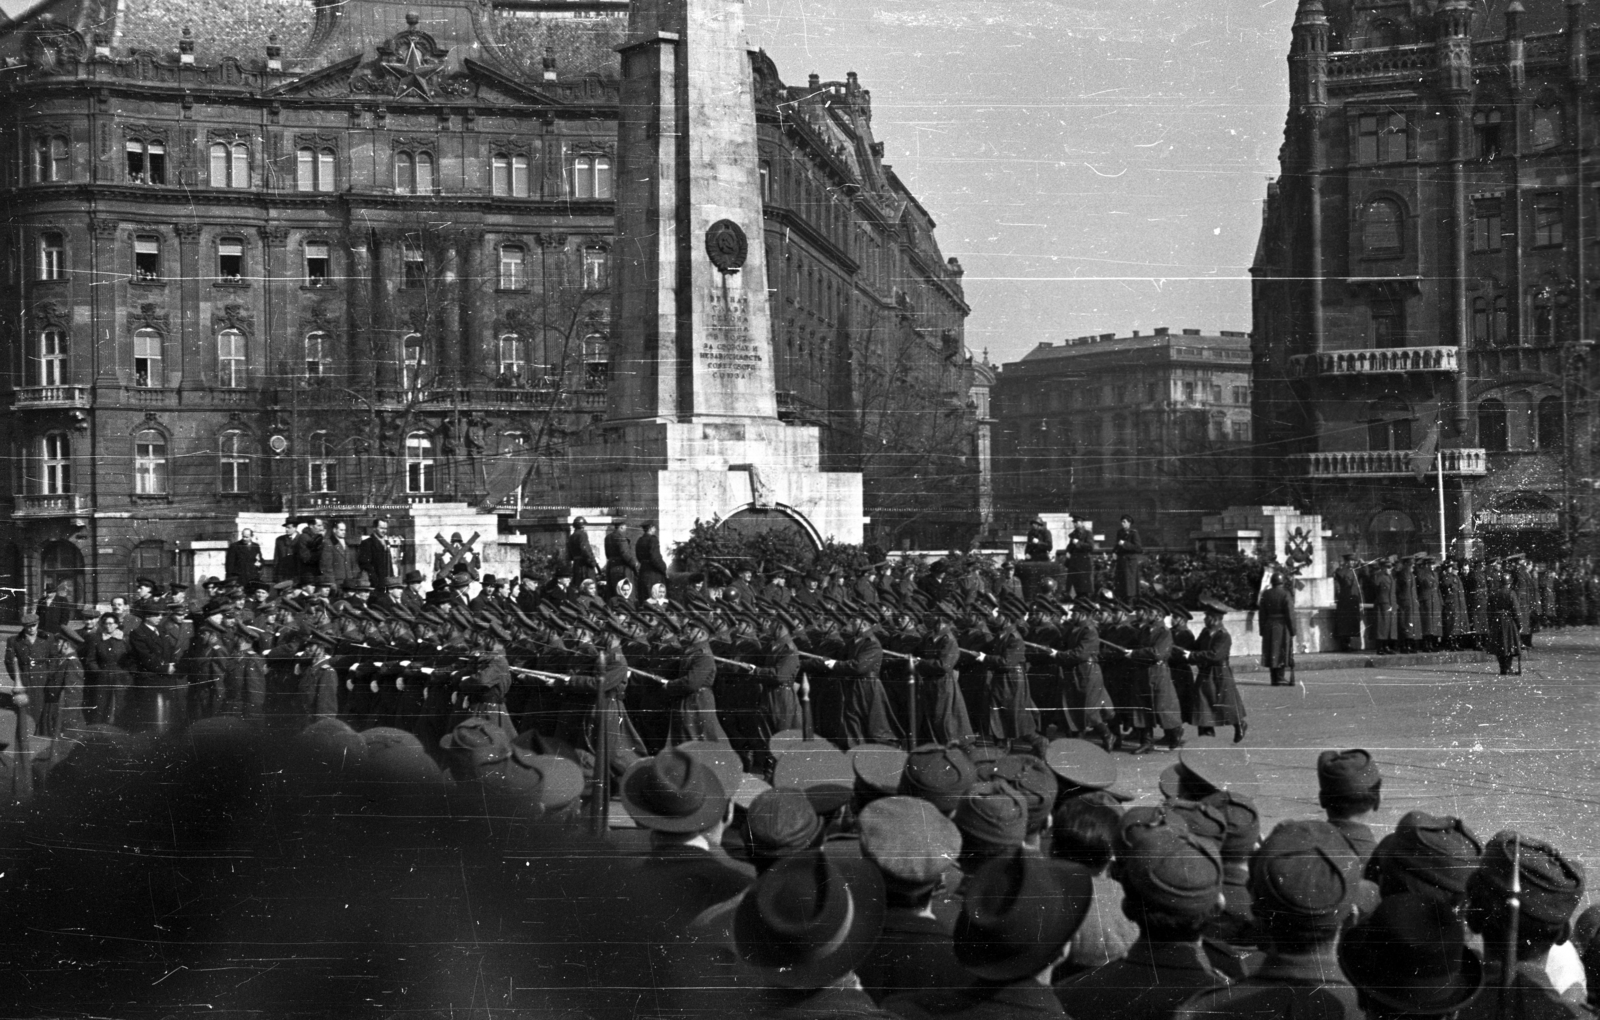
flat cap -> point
(1346, 773)
(1552, 886)
(823, 773)
(781, 822)
(939, 775)
(878, 767)
(908, 839)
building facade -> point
(1153, 427)
(275, 256)
(1425, 287)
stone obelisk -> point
(691, 429)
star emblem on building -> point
(413, 71)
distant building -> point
(277, 256)
(1426, 278)
(1156, 427)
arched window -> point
(419, 463)
(1551, 429)
(1492, 425)
(513, 358)
(149, 560)
(322, 467)
(591, 177)
(596, 361)
(1390, 532)
(231, 371)
(513, 272)
(319, 351)
(424, 173)
(147, 359)
(230, 165)
(149, 463)
(1382, 228)
(1547, 124)
(233, 462)
(52, 358)
(52, 256)
(55, 464)
(1389, 424)
(405, 173)
(412, 363)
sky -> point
(1097, 166)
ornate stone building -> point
(1426, 279)
(269, 256)
(1156, 427)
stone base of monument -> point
(677, 473)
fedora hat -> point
(1019, 910)
(810, 919)
(1411, 957)
(673, 792)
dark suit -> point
(152, 658)
(374, 557)
(619, 555)
(1277, 628)
(243, 561)
(1080, 561)
(337, 562)
(580, 557)
(285, 565)
(652, 568)
(1346, 606)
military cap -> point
(145, 582)
(824, 774)
(1017, 912)
(878, 768)
(993, 817)
(1552, 885)
(1303, 870)
(1347, 773)
(1411, 957)
(460, 580)
(1167, 865)
(673, 792)
(1080, 763)
(939, 775)
(214, 607)
(1203, 821)
(1035, 781)
(810, 919)
(1440, 852)
(251, 587)
(781, 822)
(71, 632)
(908, 839)
(1200, 771)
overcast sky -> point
(1097, 166)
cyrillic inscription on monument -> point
(726, 350)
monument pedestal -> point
(677, 472)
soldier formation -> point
(887, 794)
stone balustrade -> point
(1387, 463)
(1379, 361)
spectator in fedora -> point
(1411, 959)
(1350, 788)
(1016, 924)
(1302, 881)
(914, 848)
(1172, 886)
(681, 802)
(801, 931)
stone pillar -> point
(278, 285)
(362, 351)
(191, 367)
(104, 328)
(385, 290)
(1456, 81)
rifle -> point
(734, 662)
(537, 674)
(649, 676)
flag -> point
(505, 475)
(1422, 456)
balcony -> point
(31, 397)
(1378, 361)
(69, 504)
(1387, 463)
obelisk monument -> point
(691, 429)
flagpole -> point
(1443, 553)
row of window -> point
(587, 176)
(1389, 426)
(230, 268)
(1383, 222)
(51, 468)
(515, 365)
(1490, 322)
(1383, 136)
